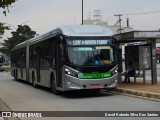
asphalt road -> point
(20, 96)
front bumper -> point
(72, 83)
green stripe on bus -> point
(94, 75)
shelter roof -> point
(137, 36)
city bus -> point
(71, 57)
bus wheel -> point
(34, 80)
(53, 85)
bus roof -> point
(85, 30)
(69, 30)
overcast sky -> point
(44, 15)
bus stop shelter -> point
(149, 37)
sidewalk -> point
(139, 89)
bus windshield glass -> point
(91, 55)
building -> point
(114, 28)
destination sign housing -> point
(89, 42)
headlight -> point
(70, 72)
(115, 71)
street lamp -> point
(82, 12)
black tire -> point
(34, 81)
(53, 85)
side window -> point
(48, 51)
(32, 56)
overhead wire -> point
(149, 12)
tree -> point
(22, 34)
(5, 4)
(3, 28)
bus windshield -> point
(92, 55)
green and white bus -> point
(72, 57)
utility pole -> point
(127, 22)
(119, 21)
(119, 50)
(82, 12)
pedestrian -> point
(130, 73)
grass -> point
(7, 68)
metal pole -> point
(82, 12)
(119, 57)
(119, 21)
(153, 62)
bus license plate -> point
(95, 86)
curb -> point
(149, 95)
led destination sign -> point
(88, 42)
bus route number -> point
(89, 42)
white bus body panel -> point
(72, 83)
(85, 30)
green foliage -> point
(7, 68)
(5, 4)
(22, 34)
(3, 28)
